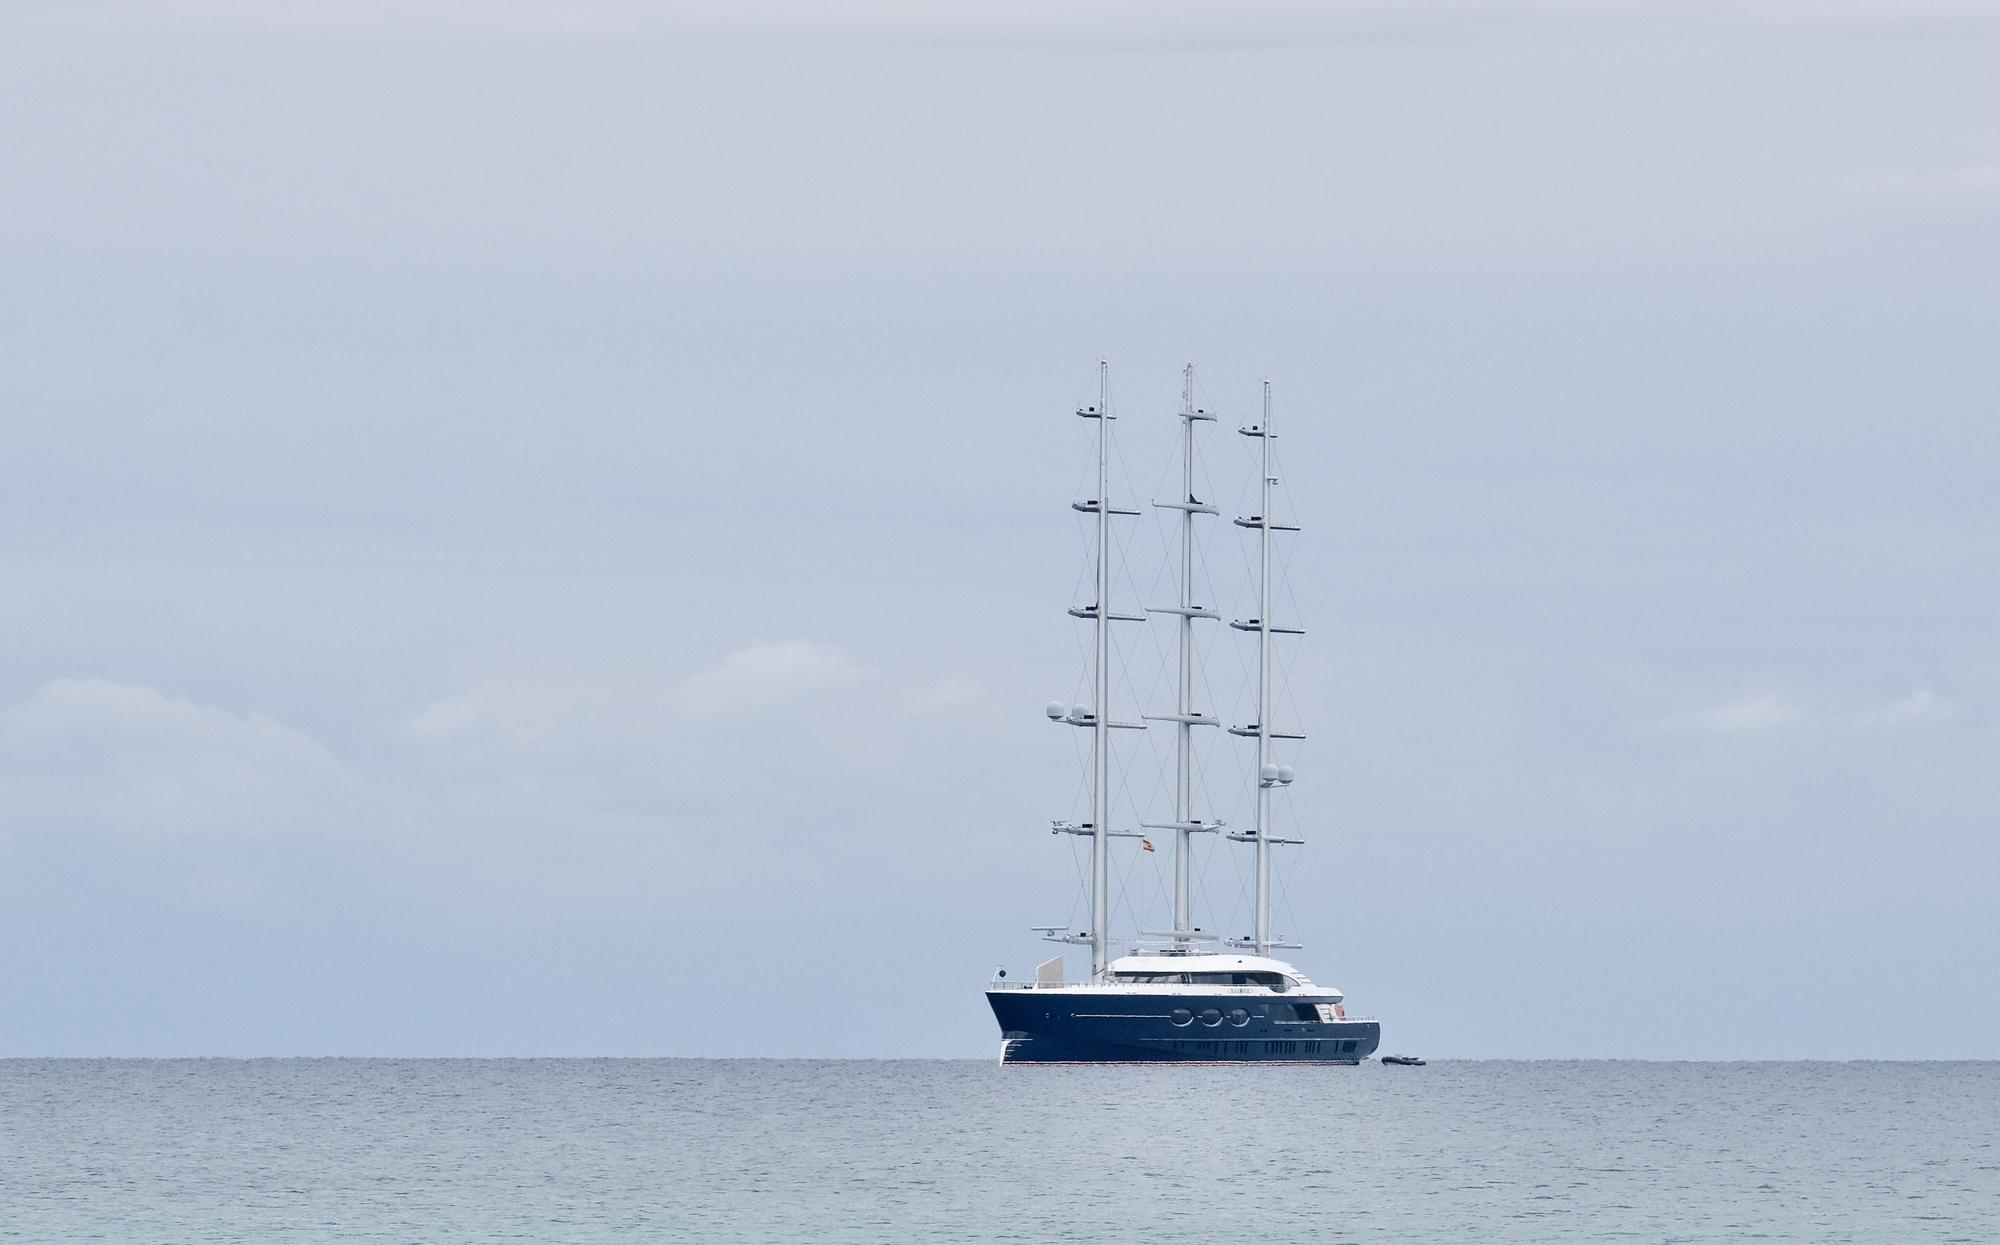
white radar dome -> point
(1056, 710)
(1081, 711)
(1268, 773)
(1286, 773)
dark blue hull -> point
(1043, 1026)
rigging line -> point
(1127, 657)
(1282, 661)
(1132, 688)
(1086, 575)
(1083, 656)
(1086, 571)
(1286, 659)
(1287, 693)
(1205, 645)
(1163, 564)
(1082, 680)
(1293, 714)
(1286, 556)
(1082, 882)
(1242, 903)
(1162, 900)
(1086, 474)
(1124, 467)
(1122, 546)
(1246, 592)
(1130, 655)
(1124, 770)
(1122, 874)
(1205, 574)
(1289, 655)
(1204, 477)
(1087, 396)
(1204, 858)
(1285, 899)
(1080, 798)
(1204, 660)
(1168, 462)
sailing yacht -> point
(1190, 996)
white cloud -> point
(1967, 186)
(1770, 711)
(1746, 715)
(514, 713)
(1922, 705)
(93, 754)
(761, 675)
(450, 718)
(1045, 22)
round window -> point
(1211, 1017)
(1181, 1017)
(1238, 1017)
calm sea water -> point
(724, 1151)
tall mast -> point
(1185, 714)
(1097, 718)
(1269, 774)
(1100, 785)
(1263, 935)
(1184, 736)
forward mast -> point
(1097, 718)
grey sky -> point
(543, 529)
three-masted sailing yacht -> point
(1177, 999)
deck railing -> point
(1010, 983)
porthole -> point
(1181, 1017)
(1238, 1017)
(1211, 1017)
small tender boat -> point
(1403, 1061)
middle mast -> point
(1186, 717)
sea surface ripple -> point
(393, 1150)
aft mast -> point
(1184, 825)
(1269, 774)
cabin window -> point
(1306, 1012)
(1274, 981)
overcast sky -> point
(542, 529)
